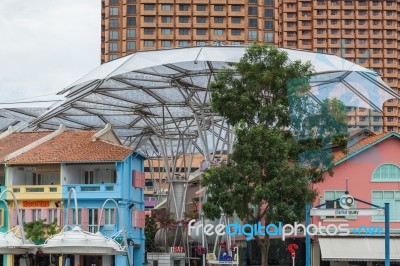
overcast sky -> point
(46, 45)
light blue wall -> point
(124, 193)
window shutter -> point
(102, 218)
(85, 219)
(14, 217)
(28, 215)
(45, 215)
(142, 180)
(69, 217)
(142, 219)
(133, 217)
(135, 175)
(114, 218)
(59, 217)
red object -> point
(223, 244)
(291, 248)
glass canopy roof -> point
(153, 96)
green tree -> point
(267, 176)
(38, 231)
(150, 231)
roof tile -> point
(73, 146)
(18, 140)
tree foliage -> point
(39, 230)
(279, 140)
(150, 231)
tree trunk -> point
(264, 247)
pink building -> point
(372, 167)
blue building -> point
(98, 168)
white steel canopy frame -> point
(159, 94)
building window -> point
(131, 10)
(89, 175)
(148, 7)
(253, 23)
(131, 33)
(113, 35)
(148, 43)
(109, 215)
(113, 23)
(165, 19)
(131, 21)
(236, 8)
(201, 31)
(183, 43)
(37, 179)
(218, 8)
(201, 7)
(236, 32)
(268, 13)
(92, 220)
(201, 43)
(183, 19)
(252, 34)
(268, 2)
(392, 197)
(130, 45)
(166, 31)
(236, 43)
(184, 31)
(36, 214)
(218, 32)
(183, 7)
(166, 7)
(377, 128)
(148, 31)
(334, 41)
(113, 11)
(252, 10)
(148, 19)
(269, 37)
(52, 217)
(113, 56)
(236, 20)
(74, 222)
(268, 25)
(201, 19)
(218, 20)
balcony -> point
(94, 191)
(149, 190)
(215, 25)
(389, 6)
(35, 192)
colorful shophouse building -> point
(372, 168)
(97, 167)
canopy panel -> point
(151, 96)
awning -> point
(358, 249)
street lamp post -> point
(121, 224)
